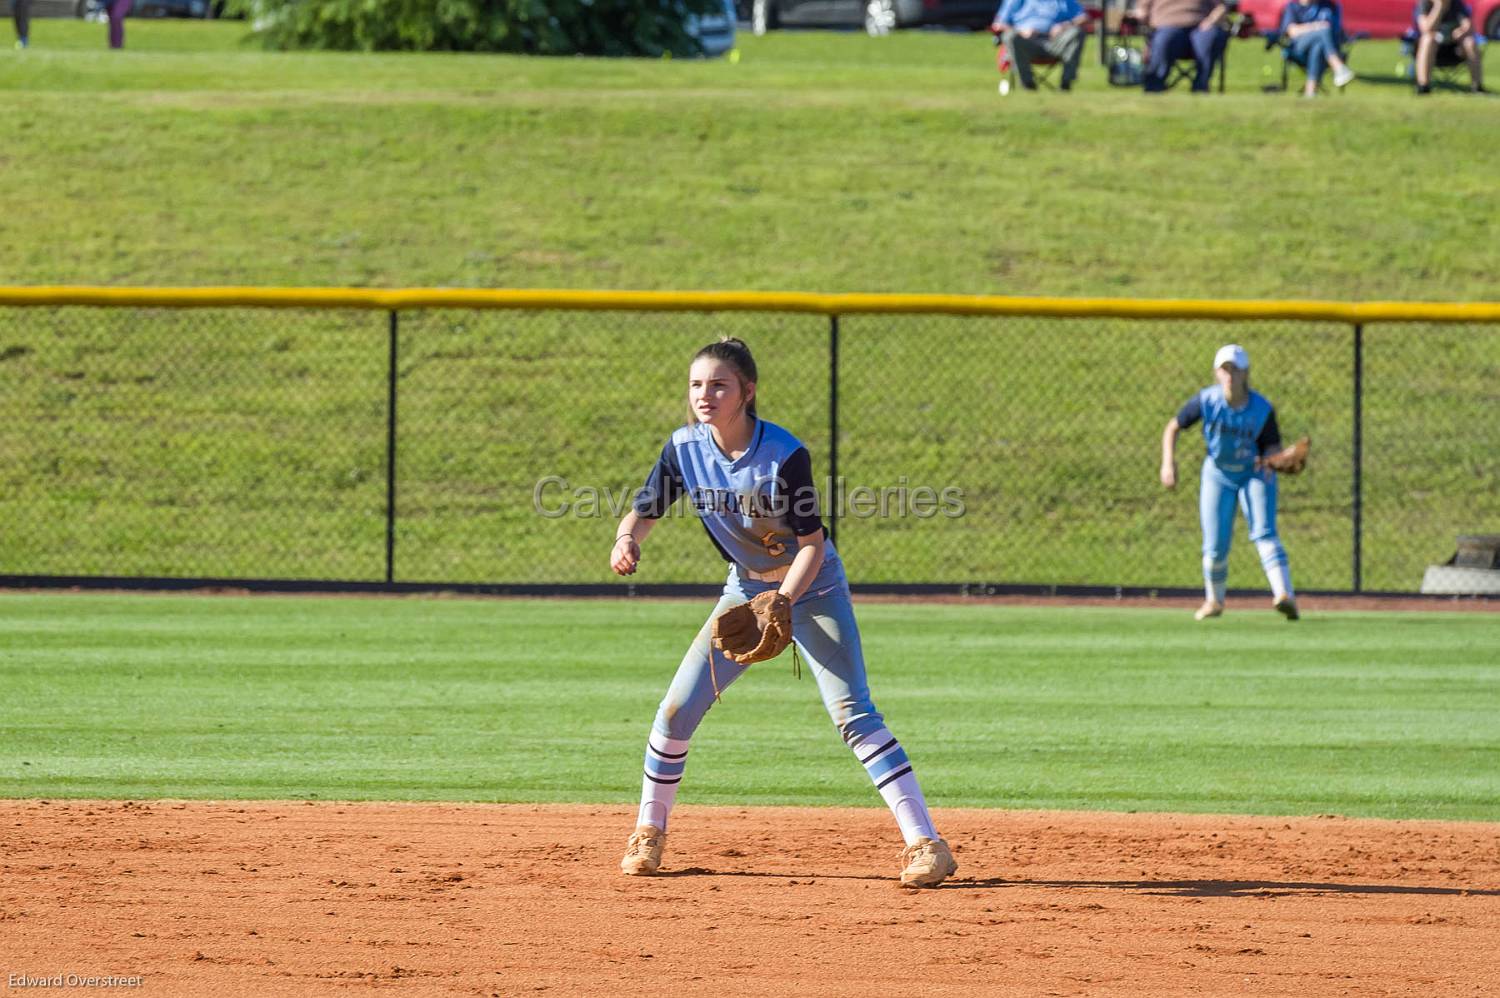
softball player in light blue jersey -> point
(751, 484)
(1239, 427)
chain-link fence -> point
(499, 447)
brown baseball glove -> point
(755, 631)
(1291, 460)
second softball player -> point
(1239, 427)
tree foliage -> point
(537, 27)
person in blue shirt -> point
(1042, 29)
(714, 32)
(750, 482)
(1239, 427)
(1312, 31)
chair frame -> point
(1010, 78)
(1345, 47)
(1128, 31)
(1448, 62)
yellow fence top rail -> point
(749, 301)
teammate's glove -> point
(755, 631)
(1291, 460)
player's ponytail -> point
(733, 351)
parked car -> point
(1376, 18)
(93, 10)
(878, 17)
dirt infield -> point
(294, 899)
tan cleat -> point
(1209, 609)
(1287, 607)
(928, 862)
(643, 851)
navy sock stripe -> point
(894, 776)
(658, 779)
(666, 756)
(871, 757)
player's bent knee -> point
(860, 725)
(673, 720)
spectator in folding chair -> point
(20, 10)
(1445, 30)
(1311, 33)
(1041, 32)
(1184, 29)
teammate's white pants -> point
(1255, 496)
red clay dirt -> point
(257, 898)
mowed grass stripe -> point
(1387, 715)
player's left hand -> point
(1169, 476)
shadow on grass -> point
(1457, 85)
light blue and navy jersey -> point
(1235, 437)
(754, 508)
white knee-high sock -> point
(666, 758)
(1215, 577)
(890, 770)
(1278, 570)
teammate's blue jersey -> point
(1235, 437)
(754, 508)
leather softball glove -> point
(1291, 460)
(755, 631)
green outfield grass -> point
(1388, 715)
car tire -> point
(880, 17)
(764, 16)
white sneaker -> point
(1208, 609)
(1343, 77)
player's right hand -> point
(625, 556)
(1169, 476)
